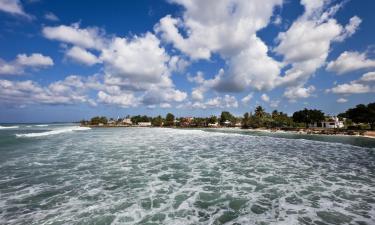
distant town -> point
(359, 120)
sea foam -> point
(8, 127)
(54, 132)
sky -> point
(71, 60)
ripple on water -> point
(166, 176)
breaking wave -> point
(54, 132)
(9, 127)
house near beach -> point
(330, 123)
(144, 124)
(127, 121)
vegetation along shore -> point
(359, 120)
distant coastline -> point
(304, 131)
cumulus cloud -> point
(34, 60)
(156, 96)
(351, 88)
(368, 77)
(365, 84)
(229, 28)
(215, 26)
(67, 91)
(342, 100)
(87, 38)
(124, 100)
(23, 62)
(81, 55)
(139, 62)
(220, 102)
(136, 65)
(350, 61)
(13, 7)
(245, 100)
(306, 44)
(294, 93)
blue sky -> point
(69, 60)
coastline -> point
(302, 131)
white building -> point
(330, 122)
(144, 124)
(127, 121)
(213, 124)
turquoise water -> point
(64, 174)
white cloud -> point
(67, 91)
(306, 44)
(350, 28)
(204, 85)
(229, 28)
(227, 101)
(368, 77)
(197, 94)
(351, 88)
(350, 61)
(342, 100)
(51, 16)
(215, 26)
(178, 64)
(252, 67)
(137, 63)
(165, 105)
(34, 60)
(294, 93)
(245, 100)
(22, 62)
(86, 38)
(13, 7)
(265, 98)
(82, 56)
(156, 96)
(124, 100)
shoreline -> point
(302, 131)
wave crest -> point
(9, 127)
(54, 132)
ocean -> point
(65, 174)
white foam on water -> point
(134, 175)
(8, 127)
(42, 125)
(54, 132)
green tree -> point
(362, 114)
(157, 121)
(169, 120)
(226, 116)
(97, 120)
(307, 116)
(259, 112)
(212, 119)
(246, 121)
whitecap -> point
(42, 125)
(54, 132)
(9, 127)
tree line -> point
(361, 116)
